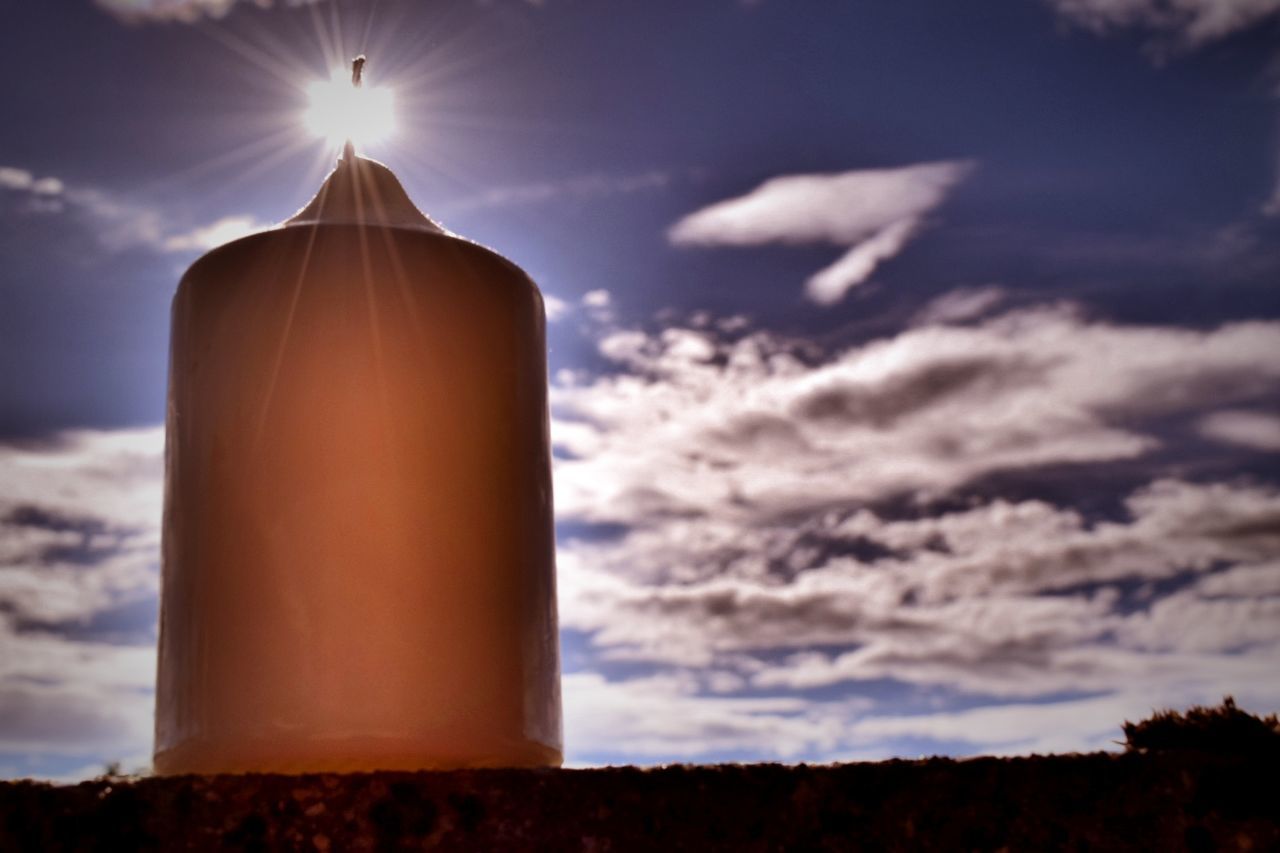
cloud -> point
(736, 574)
(1017, 606)
(1271, 207)
(665, 717)
(555, 307)
(79, 526)
(79, 549)
(762, 425)
(959, 306)
(21, 179)
(581, 188)
(1192, 22)
(62, 697)
(1248, 429)
(1006, 598)
(1021, 728)
(1177, 26)
(215, 234)
(181, 11)
(874, 212)
(830, 285)
(732, 515)
(118, 224)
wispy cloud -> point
(757, 519)
(961, 305)
(874, 212)
(1191, 22)
(21, 180)
(1179, 27)
(182, 11)
(1257, 430)
(581, 188)
(118, 224)
(192, 11)
(555, 307)
(215, 234)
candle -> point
(358, 554)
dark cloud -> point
(924, 386)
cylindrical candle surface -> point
(358, 557)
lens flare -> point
(338, 111)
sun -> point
(337, 111)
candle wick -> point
(357, 81)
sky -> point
(914, 367)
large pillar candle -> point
(358, 558)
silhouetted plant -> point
(1222, 729)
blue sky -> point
(913, 365)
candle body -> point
(358, 551)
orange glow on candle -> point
(358, 537)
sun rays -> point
(422, 106)
(337, 111)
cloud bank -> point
(753, 521)
(754, 422)
(770, 550)
(873, 212)
(79, 547)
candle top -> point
(361, 191)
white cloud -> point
(210, 236)
(47, 186)
(41, 195)
(555, 307)
(841, 209)
(1192, 22)
(1248, 429)
(15, 179)
(874, 212)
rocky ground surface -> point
(1194, 792)
(1174, 801)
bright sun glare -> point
(338, 111)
